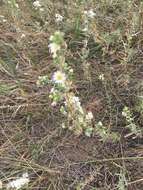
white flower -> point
(89, 116)
(41, 9)
(81, 119)
(90, 13)
(52, 90)
(81, 110)
(101, 77)
(23, 35)
(85, 29)
(18, 183)
(59, 17)
(59, 77)
(63, 125)
(99, 124)
(4, 20)
(71, 70)
(76, 101)
(53, 104)
(54, 48)
(16, 4)
(36, 4)
(124, 114)
(89, 131)
(51, 38)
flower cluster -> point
(101, 77)
(56, 42)
(90, 14)
(37, 5)
(19, 183)
(59, 18)
(43, 80)
(127, 114)
(76, 118)
(130, 121)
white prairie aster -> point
(54, 48)
(51, 38)
(101, 77)
(18, 183)
(63, 125)
(53, 104)
(90, 13)
(71, 70)
(23, 35)
(59, 17)
(124, 114)
(59, 77)
(89, 116)
(37, 4)
(17, 6)
(76, 101)
(4, 20)
(52, 90)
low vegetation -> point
(71, 94)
